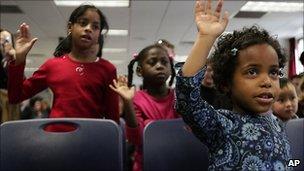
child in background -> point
(286, 105)
(6, 44)
(9, 111)
(77, 75)
(34, 109)
(297, 80)
(29, 112)
(246, 67)
(154, 102)
(300, 112)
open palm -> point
(208, 22)
(121, 88)
(23, 43)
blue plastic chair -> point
(96, 144)
(295, 133)
(167, 145)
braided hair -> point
(141, 56)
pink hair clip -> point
(171, 57)
(135, 55)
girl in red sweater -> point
(77, 75)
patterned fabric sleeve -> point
(206, 123)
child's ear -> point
(69, 28)
(138, 71)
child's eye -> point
(96, 27)
(275, 73)
(164, 62)
(252, 72)
(292, 97)
(82, 22)
(151, 62)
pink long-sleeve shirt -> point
(147, 109)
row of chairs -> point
(98, 144)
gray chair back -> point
(95, 144)
(167, 145)
(295, 133)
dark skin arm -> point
(126, 93)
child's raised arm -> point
(23, 44)
(126, 93)
(210, 25)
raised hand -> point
(23, 43)
(9, 51)
(210, 23)
(121, 88)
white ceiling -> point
(147, 21)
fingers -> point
(133, 89)
(120, 81)
(24, 30)
(200, 10)
(218, 9)
(208, 7)
(33, 42)
(7, 47)
(225, 19)
(123, 80)
(199, 7)
(114, 83)
(113, 88)
(12, 54)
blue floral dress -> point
(235, 141)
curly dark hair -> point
(224, 59)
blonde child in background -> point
(286, 105)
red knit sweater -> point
(80, 89)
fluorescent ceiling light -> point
(98, 3)
(117, 62)
(114, 50)
(273, 6)
(180, 58)
(113, 32)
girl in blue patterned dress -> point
(246, 67)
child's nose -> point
(288, 103)
(266, 81)
(159, 65)
(89, 27)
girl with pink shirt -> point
(154, 102)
